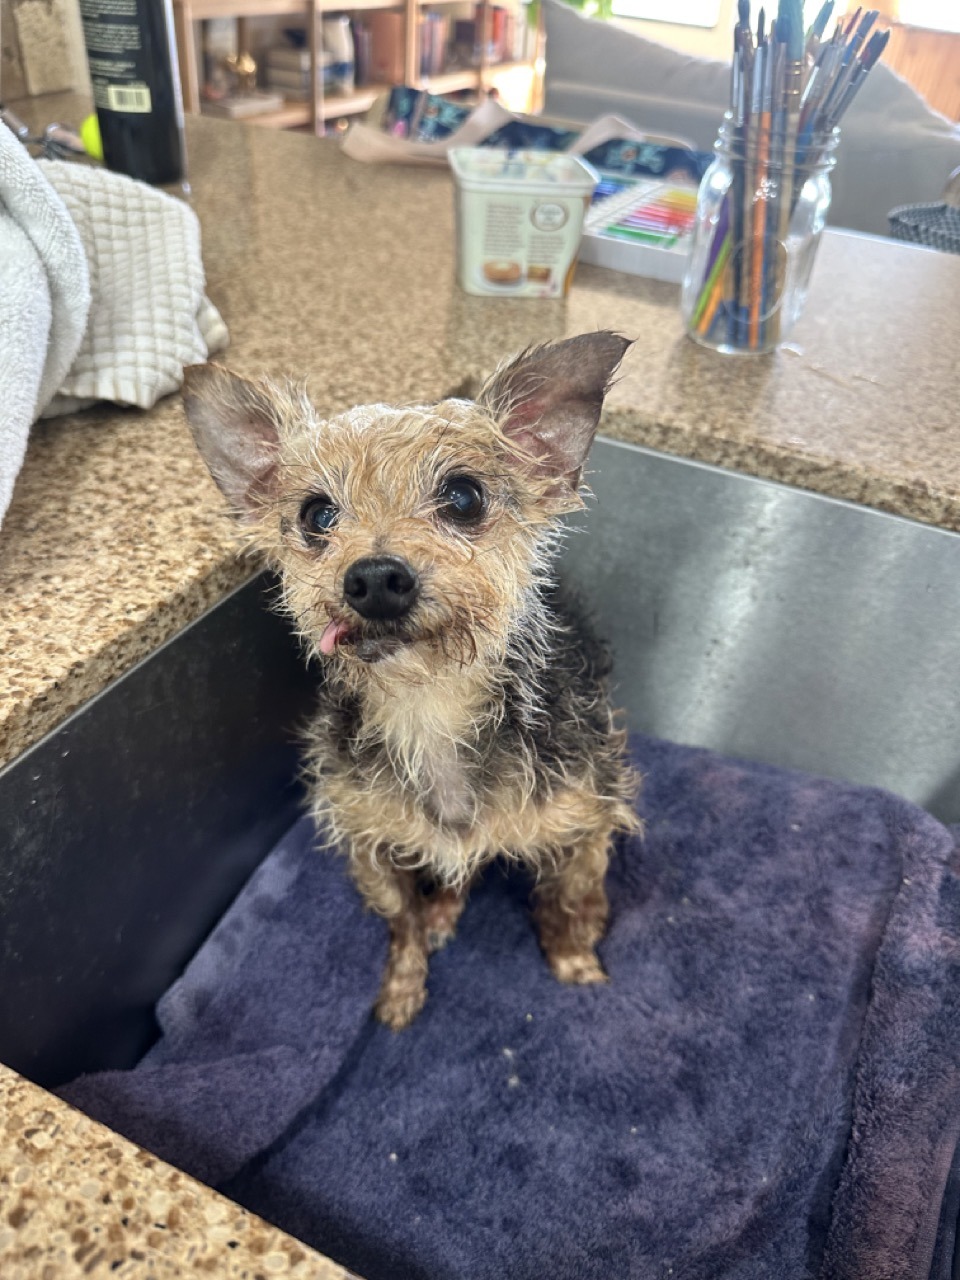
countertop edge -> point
(121, 1210)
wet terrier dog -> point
(464, 713)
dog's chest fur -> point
(426, 738)
(451, 774)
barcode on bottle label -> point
(129, 97)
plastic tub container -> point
(519, 220)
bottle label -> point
(131, 97)
(118, 61)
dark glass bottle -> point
(136, 86)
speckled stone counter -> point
(77, 1200)
(343, 274)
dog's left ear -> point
(548, 400)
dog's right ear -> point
(235, 425)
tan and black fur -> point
(476, 725)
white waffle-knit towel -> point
(101, 294)
(44, 300)
(149, 316)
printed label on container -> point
(132, 97)
(520, 217)
(520, 244)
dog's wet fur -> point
(464, 714)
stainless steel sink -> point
(748, 617)
(776, 624)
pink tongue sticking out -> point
(331, 635)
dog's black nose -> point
(381, 587)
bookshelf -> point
(515, 80)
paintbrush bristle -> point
(743, 11)
(821, 20)
(875, 47)
(790, 28)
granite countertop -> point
(77, 1200)
(343, 274)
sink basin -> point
(776, 624)
(127, 832)
(745, 616)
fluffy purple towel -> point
(769, 1086)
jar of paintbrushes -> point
(758, 224)
(763, 203)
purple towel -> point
(769, 1086)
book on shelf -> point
(386, 46)
(287, 67)
(507, 37)
(434, 34)
(288, 57)
(292, 84)
(362, 41)
(466, 42)
(283, 75)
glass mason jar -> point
(758, 224)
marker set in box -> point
(641, 227)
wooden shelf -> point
(313, 113)
(352, 104)
(470, 77)
(200, 9)
(495, 68)
(290, 116)
(276, 8)
(451, 81)
(296, 113)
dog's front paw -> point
(397, 1006)
(579, 969)
(441, 911)
(438, 938)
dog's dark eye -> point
(461, 500)
(317, 517)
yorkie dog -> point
(464, 713)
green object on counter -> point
(90, 137)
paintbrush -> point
(743, 15)
(849, 65)
(818, 89)
(790, 23)
(815, 78)
(751, 140)
(819, 24)
(740, 191)
(757, 274)
(777, 138)
(746, 38)
(848, 29)
(871, 56)
(815, 34)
